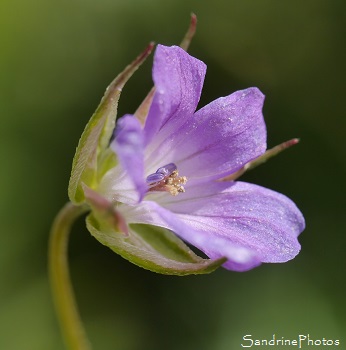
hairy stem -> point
(65, 304)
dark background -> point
(56, 60)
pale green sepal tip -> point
(155, 249)
(97, 133)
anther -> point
(167, 179)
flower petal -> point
(152, 248)
(178, 79)
(246, 223)
(218, 139)
(251, 215)
(128, 145)
(239, 257)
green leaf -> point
(153, 248)
(96, 135)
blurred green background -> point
(56, 59)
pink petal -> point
(128, 145)
(246, 223)
(217, 140)
(178, 79)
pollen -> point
(167, 179)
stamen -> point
(167, 169)
(155, 178)
(167, 179)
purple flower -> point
(169, 170)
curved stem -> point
(65, 304)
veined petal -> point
(153, 248)
(239, 257)
(246, 223)
(218, 139)
(178, 79)
(128, 145)
(253, 216)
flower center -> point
(167, 179)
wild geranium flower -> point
(165, 175)
(167, 169)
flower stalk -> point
(63, 296)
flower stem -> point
(65, 304)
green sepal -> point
(153, 248)
(261, 159)
(97, 133)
